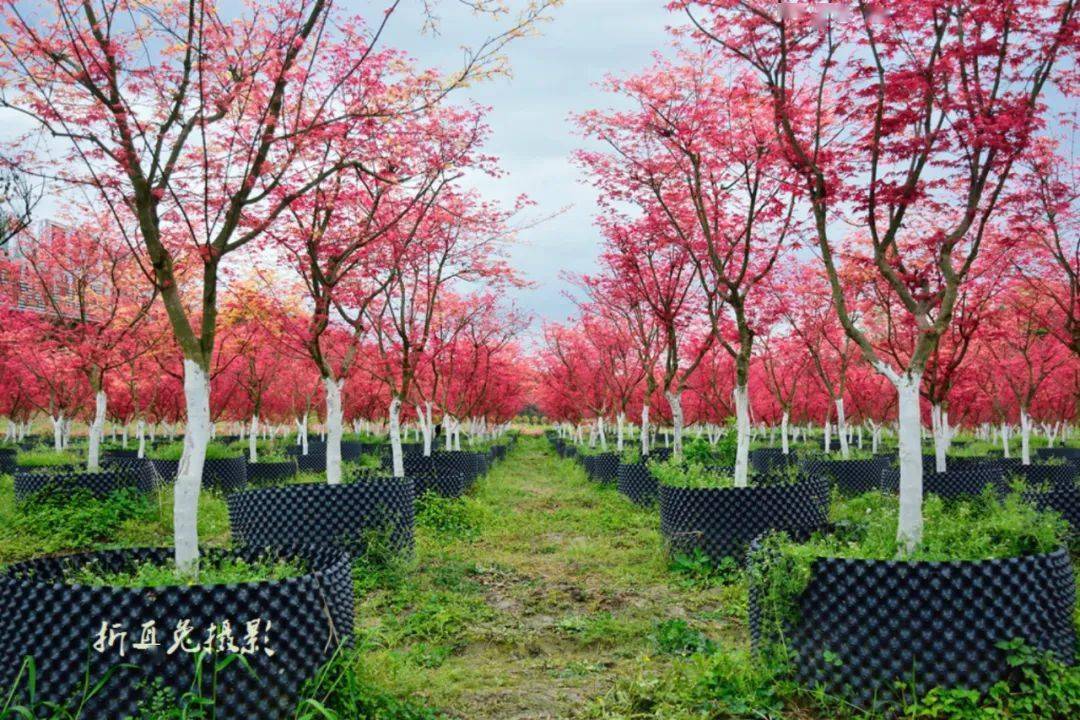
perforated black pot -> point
(722, 522)
(1070, 454)
(115, 474)
(263, 473)
(951, 484)
(769, 460)
(864, 625)
(1064, 500)
(637, 483)
(302, 620)
(318, 514)
(459, 461)
(7, 461)
(225, 474)
(661, 453)
(602, 467)
(852, 477)
(1057, 476)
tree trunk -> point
(334, 422)
(395, 437)
(429, 428)
(675, 401)
(448, 431)
(97, 431)
(784, 419)
(620, 419)
(910, 526)
(644, 431)
(841, 428)
(1025, 437)
(253, 439)
(940, 437)
(140, 432)
(827, 441)
(190, 471)
(1005, 440)
(58, 432)
(742, 436)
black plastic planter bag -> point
(864, 625)
(269, 473)
(345, 516)
(225, 475)
(951, 484)
(722, 522)
(285, 630)
(116, 474)
(637, 483)
(601, 468)
(853, 477)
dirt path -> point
(531, 597)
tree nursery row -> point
(259, 368)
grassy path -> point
(532, 597)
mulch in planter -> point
(115, 474)
(722, 522)
(951, 484)
(318, 514)
(852, 477)
(637, 483)
(284, 629)
(266, 473)
(863, 625)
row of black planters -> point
(862, 626)
(284, 630)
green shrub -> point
(52, 522)
(688, 475)
(214, 451)
(223, 570)
(46, 458)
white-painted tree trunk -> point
(253, 440)
(140, 434)
(600, 433)
(97, 432)
(827, 441)
(335, 429)
(910, 526)
(644, 430)
(841, 428)
(448, 431)
(190, 470)
(742, 436)
(675, 401)
(859, 435)
(428, 427)
(58, 432)
(940, 434)
(784, 420)
(1005, 439)
(620, 420)
(395, 437)
(1025, 437)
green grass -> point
(534, 594)
(218, 571)
(50, 526)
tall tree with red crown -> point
(907, 121)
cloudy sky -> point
(554, 76)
